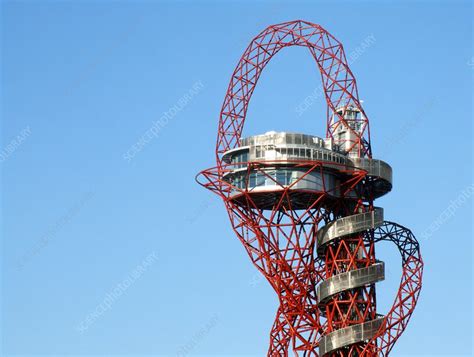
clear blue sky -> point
(82, 82)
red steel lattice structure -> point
(306, 217)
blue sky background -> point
(88, 79)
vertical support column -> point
(354, 306)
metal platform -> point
(350, 280)
(349, 335)
(348, 225)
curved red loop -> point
(410, 285)
(338, 82)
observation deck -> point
(304, 165)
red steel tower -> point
(303, 207)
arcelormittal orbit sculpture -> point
(303, 207)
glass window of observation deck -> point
(257, 179)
